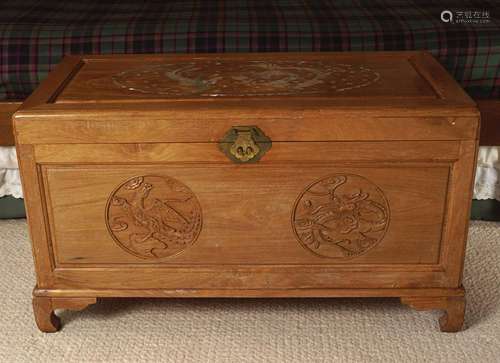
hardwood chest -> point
(248, 175)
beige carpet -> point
(252, 330)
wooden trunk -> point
(248, 175)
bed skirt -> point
(10, 181)
(487, 184)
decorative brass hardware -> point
(245, 144)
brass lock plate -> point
(245, 144)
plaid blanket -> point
(35, 34)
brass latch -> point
(245, 144)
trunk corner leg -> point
(44, 310)
(45, 318)
(453, 317)
(453, 308)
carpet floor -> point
(250, 330)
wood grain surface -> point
(7, 109)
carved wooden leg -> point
(453, 306)
(453, 318)
(44, 307)
(45, 318)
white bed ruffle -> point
(487, 184)
(10, 181)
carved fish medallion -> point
(340, 216)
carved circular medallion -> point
(215, 78)
(153, 216)
(340, 216)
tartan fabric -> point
(35, 34)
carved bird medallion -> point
(153, 217)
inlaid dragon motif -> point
(335, 217)
(219, 78)
(153, 226)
